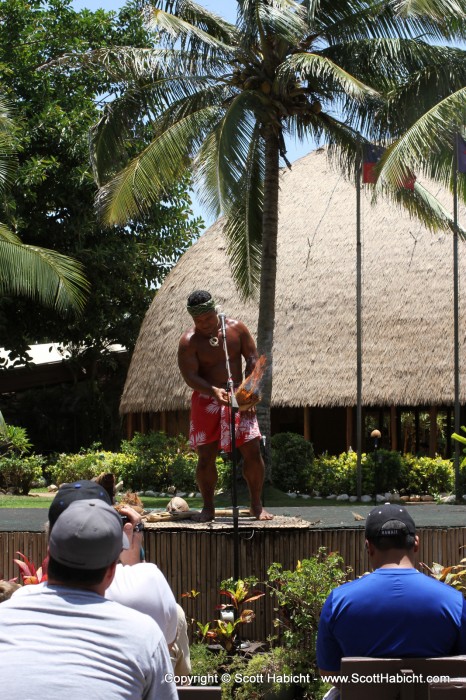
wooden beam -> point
(349, 427)
(393, 428)
(433, 431)
(307, 423)
(163, 421)
(129, 426)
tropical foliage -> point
(51, 204)
(41, 274)
(224, 97)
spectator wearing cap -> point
(139, 585)
(395, 611)
(64, 639)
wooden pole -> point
(393, 429)
(349, 427)
(433, 431)
(307, 423)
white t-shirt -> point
(143, 587)
(63, 643)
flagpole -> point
(358, 329)
(456, 318)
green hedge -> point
(295, 468)
(151, 461)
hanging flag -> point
(461, 153)
(408, 182)
(370, 157)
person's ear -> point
(416, 543)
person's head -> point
(390, 526)
(76, 491)
(85, 543)
(201, 306)
(7, 588)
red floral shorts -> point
(210, 422)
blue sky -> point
(227, 9)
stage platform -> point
(319, 517)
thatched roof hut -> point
(407, 316)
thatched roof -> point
(407, 304)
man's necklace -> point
(213, 340)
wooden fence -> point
(200, 559)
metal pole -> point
(358, 330)
(456, 320)
(234, 453)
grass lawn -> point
(40, 498)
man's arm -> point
(189, 367)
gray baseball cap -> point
(87, 535)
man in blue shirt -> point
(395, 611)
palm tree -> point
(221, 98)
(38, 273)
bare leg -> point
(206, 475)
(253, 470)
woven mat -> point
(226, 523)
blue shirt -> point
(391, 613)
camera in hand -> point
(124, 519)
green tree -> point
(52, 204)
(40, 274)
(425, 140)
(224, 96)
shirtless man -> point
(201, 360)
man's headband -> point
(200, 309)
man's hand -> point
(221, 395)
(133, 554)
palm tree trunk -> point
(266, 321)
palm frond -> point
(439, 10)
(178, 96)
(198, 16)
(421, 204)
(220, 161)
(7, 143)
(157, 167)
(359, 19)
(192, 38)
(49, 277)
(243, 223)
(417, 149)
(284, 19)
(318, 69)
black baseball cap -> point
(77, 491)
(389, 520)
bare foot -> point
(260, 513)
(205, 516)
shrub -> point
(162, 461)
(300, 595)
(426, 475)
(205, 663)
(292, 458)
(18, 470)
(386, 470)
(18, 473)
(87, 465)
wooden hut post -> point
(163, 421)
(433, 431)
(393, 428)
(349, 427)
(129, 426)
(307, 423)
